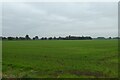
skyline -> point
(60, 19)
(57, 36)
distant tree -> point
(45, 38)
(27, 37)
(90, 38)
(16, 38)
(59, 38)
(36, 37)
(42, 38)
(10, 38)
(22, 38)
(109, 38)
(4, 38)
(50, 38)
(116, 37)
(33, 38)
(69, 36)
(54, 38)
(100, 37)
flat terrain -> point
(0, 59)
(60, 59)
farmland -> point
(0, 59)
(60, 58)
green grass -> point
(0, 59)
(60, 59)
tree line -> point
(48, 38)
(56, 38)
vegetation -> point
(60, 59)
(0, 59)
(49, 38)
(57, 38)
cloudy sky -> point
(60, 19)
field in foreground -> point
(60, 59)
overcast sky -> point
(60, 19)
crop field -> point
(60, 59)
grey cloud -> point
(60, 19)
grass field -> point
(0, 59)
(60, 59)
